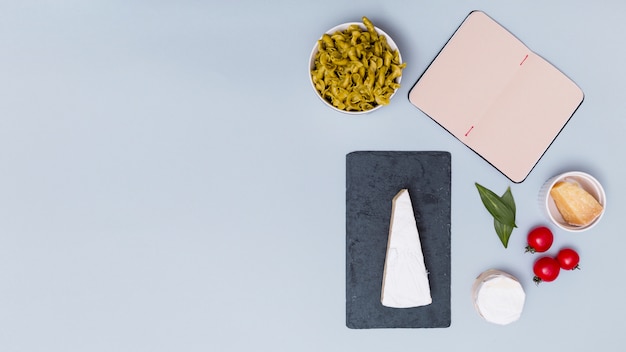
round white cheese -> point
(498, 297)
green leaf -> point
(503, 232)
(497, 207)
(507, 198)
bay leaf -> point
(504, 231)
(498, 207)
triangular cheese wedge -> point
(405, 279)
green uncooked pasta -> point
(356, 69)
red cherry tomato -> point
(546, 269)
(568, 259)
(539, 240)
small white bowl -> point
(587, 182)
(342, 27)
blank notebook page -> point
(495, 95)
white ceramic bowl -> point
(342, 27)
(587, 182)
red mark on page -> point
(525, 57)
(468, 131)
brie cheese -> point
(405, 279)
(498, 297)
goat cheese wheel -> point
(498, 297)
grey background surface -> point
(170, 182)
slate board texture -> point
(373, 178)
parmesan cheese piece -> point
(405, 279)
(576, 206)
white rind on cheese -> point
(498, 297)
(405, 278)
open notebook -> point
(495, 95)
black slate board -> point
(373, 178)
